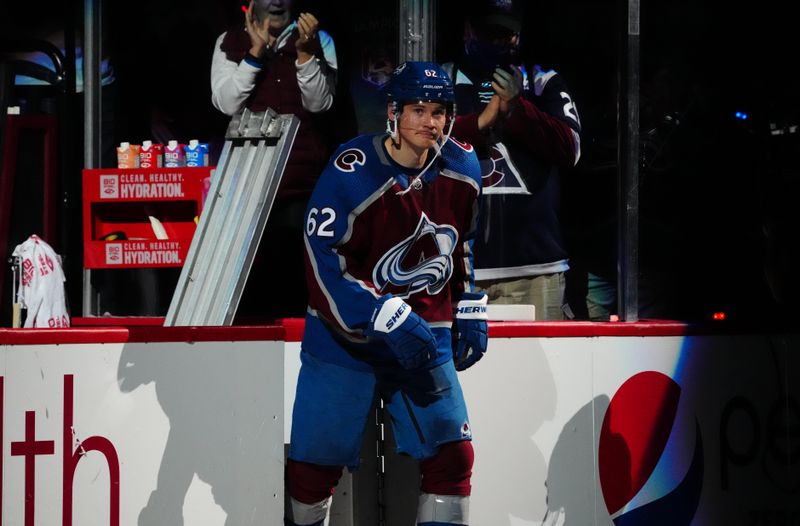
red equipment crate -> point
(118, 203)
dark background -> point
(717, 194)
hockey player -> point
(387, 262)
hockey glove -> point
(406, 334)
(470, 330)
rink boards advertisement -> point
(142, 433)
(701, 430)
(694, 430)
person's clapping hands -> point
(508, 87)
(307, 42)
(257, 31)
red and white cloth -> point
(41, 287)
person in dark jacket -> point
(525, 128)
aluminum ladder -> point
(242, 192)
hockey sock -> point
(446, 486)
(310, 488)
(449, 471)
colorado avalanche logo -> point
(650, 455)
(499, 175)
(421, 261)
(493, 174)
(349, 158)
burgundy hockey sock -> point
(449, 471)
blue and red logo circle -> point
(634, 451)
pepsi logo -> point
(650, 454)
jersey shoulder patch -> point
(348, 159)
(353, 154)
(355, 171)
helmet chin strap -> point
(416, 182)
(391, 124)
(391, 129)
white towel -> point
(41, 288)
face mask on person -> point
(485, 52)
